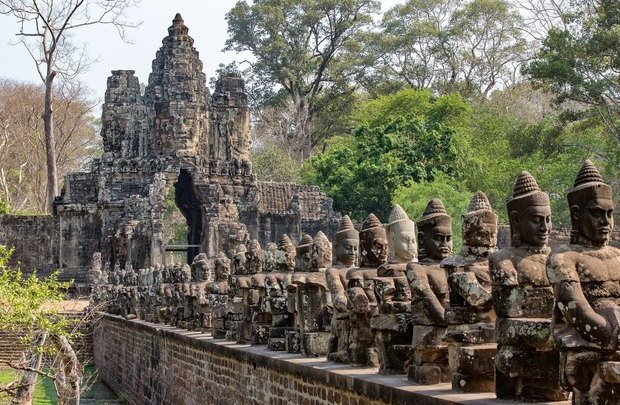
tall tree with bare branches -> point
(46, 30)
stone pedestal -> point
(430, 357)
(293, 342)
(472, 367)
(277, 338)
(393, 341)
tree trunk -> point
(25, 393)
(48, 124)
(69, 375)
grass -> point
(44, 393)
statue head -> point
(402, 245)
(254, 257)
(346, 243)
(320, 252)
(285, 254)
(373, 243)
(435, 231)
(303, 253)
(222, 267)
(201, 267)
(239, 260)
(529, 213)
(479, 224)
(270, 256)
(591, 207)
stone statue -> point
(302, 266)
(392, 322)
(361, 292)
(313, 299)
(470, 316)
(429, 296)
(202, 268)
(261, 317)
(217, 295)
(276, 285)
(586, 280)
(346, 248)
(94, 273)
(526, 365)
(238, 330)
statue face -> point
(404, 245)
(304, 260)
(439, 243)
(286, 258)
(375, 250)
(534, 225)
(595, 220)
(222, 271)
(478, 233)
(347, 251)
(321, 256)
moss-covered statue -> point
(313, 300)
(276, 284)
(346, 250)
(526, 364)
(361, 292)
(470, 316)
(586, 278)
(429, 296)
(392, 322)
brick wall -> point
(155, 364)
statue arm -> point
(577, 311)
(503, 271)
(336, 288)
(422, 291)
(467, 286)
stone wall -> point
(154, 364)
(34, 240)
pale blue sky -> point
(205, 19)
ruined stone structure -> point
(177, 135)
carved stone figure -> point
(586, 279)
(261, 317)
(526, 365)
(238, 328)
(361, 292)
(276, 285)
(202, 268)
(302, 266)
(429, 296)
(346, 248)
(470, 316)
(313, 299)
(392, 322)
(217, 295)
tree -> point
(46, 31)
(304, 51)
(23, 177)
(449, 45)
(580, 61)
(362, 172)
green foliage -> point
(406, 137)
(29, 304)
(4, 207)
(175, 224)
(271, 163)
(415, 196)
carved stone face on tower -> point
(285, 254)
(435, 233)
(373, 242)
(529, 213)
(479, 223)
(346, 243)
(402, 245)
(591, 206)
(321, 252)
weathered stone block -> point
(524, 333)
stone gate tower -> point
(177, 135)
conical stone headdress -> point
(372, 228)
(345, 231)
(434, 213)
(398, 216)
(304, 244)
(588, 185)
(481, 207)
(526, 193)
